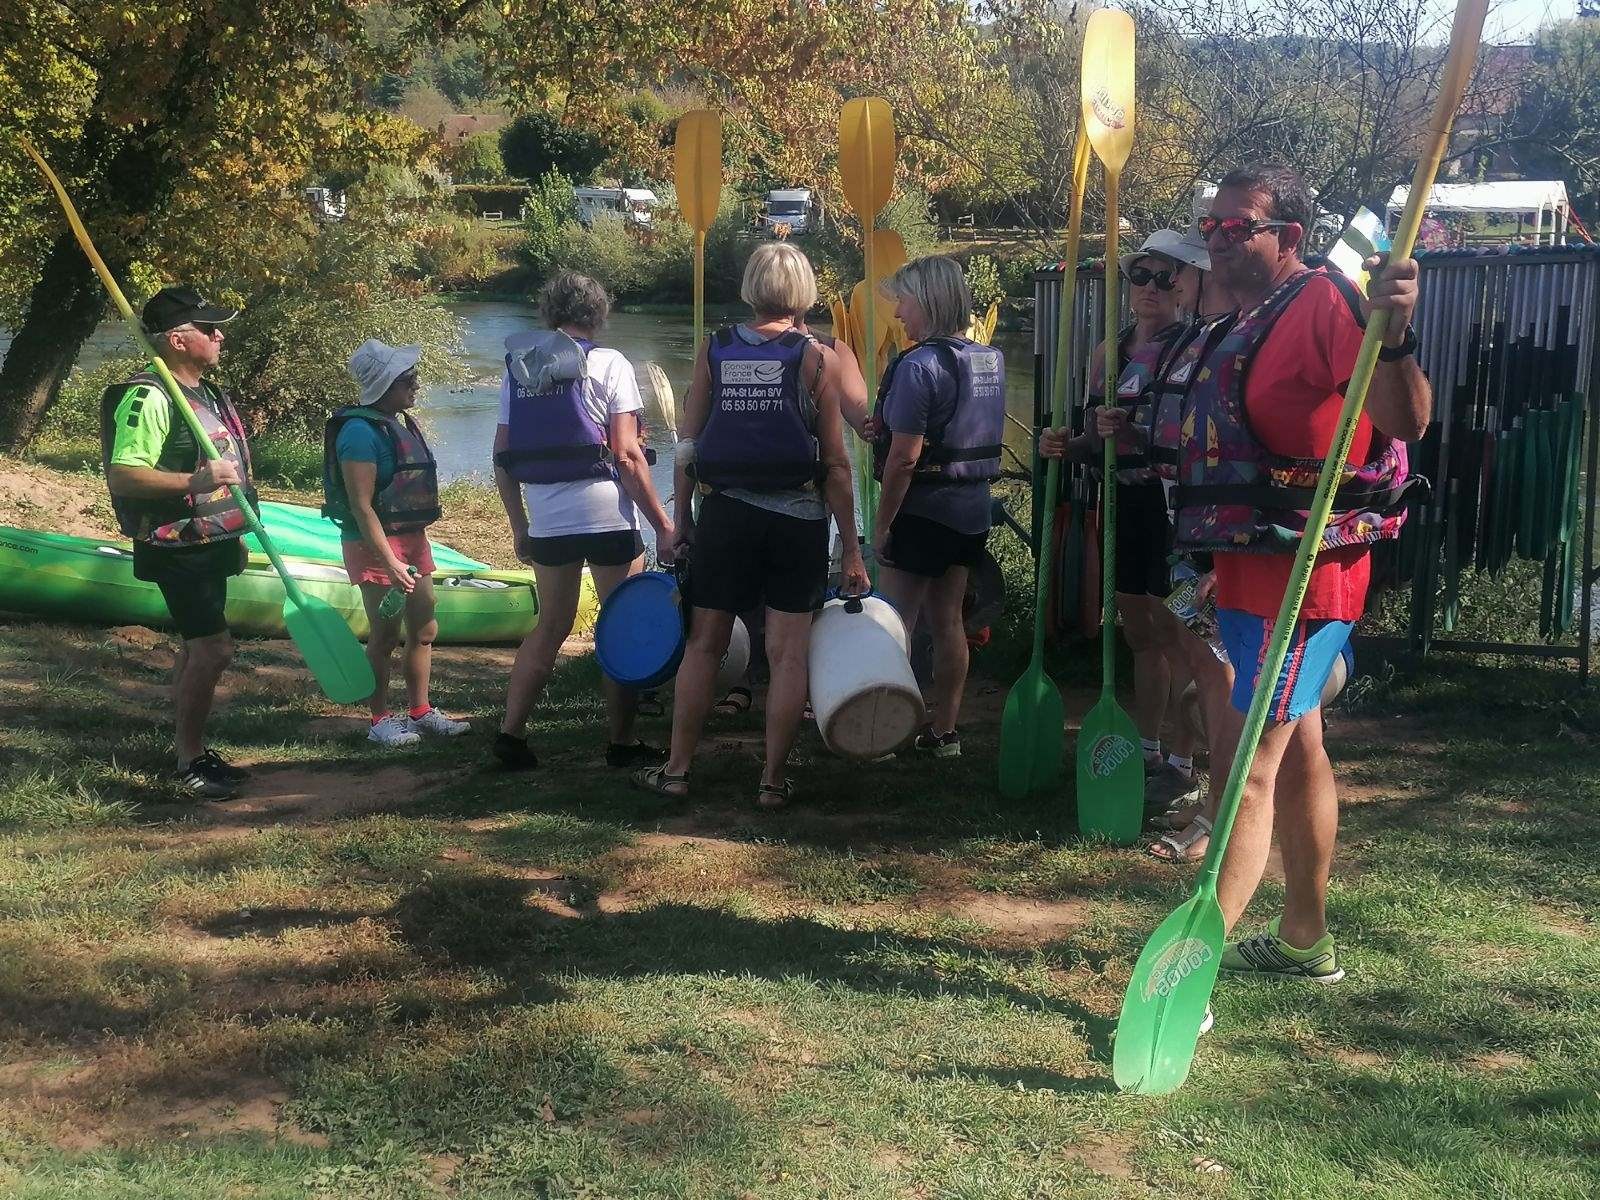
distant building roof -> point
(1507, 196)
(461, 126)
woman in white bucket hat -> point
(381, 487)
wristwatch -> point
(1405, 349)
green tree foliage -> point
(477, 160)
(1555, 124)
(537, 142)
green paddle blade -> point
(1110, 775)
(1030, 735)
(1166, 1000)
(335, 657)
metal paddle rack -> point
(1510, 339)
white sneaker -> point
(436, 724)
(393, 732)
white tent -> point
(1520, 196)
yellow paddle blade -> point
(841, 323)
(1108, 86)
(697, 167)
(866, 155)
(888, 253)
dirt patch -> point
(1494, 1062)
(34, 498)
(293, 796)
(1108, 1156)
(219, 1106)
(1361, 1060)
(1012, 916)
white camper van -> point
(636, 206)
(787, 206)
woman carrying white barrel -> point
(573, 476)
(763, 443)
(937, 436)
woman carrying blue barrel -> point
(574, 477)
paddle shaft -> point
(174, 392)
(1108, 506)
(699, 289)
(869, 485)
(1058, 383)
(1457, 67)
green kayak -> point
(83, 579)
(301, 532)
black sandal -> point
(774, 795)
(737, 701)
(657, 780)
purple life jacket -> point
(1234, 494)
(196, 517)
(410, 500)
(965, 447)
(551, 436)
(757, 434)
(1175, 376)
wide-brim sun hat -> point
(1186, 247)
(376, 365)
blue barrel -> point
(638, 637)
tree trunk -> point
(66, 305)
(140, 173)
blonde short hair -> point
(940, 290)
(779, 281)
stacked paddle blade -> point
(1507, 340)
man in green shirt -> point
(177, 508)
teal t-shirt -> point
(362, 441)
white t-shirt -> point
(585, 505)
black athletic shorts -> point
(614, 548)
(745, 556)
(1144, 539)
(922, 546)
(193, 581)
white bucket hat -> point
(1186, 247)
(376, 365)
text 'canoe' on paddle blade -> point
(1110, 775)
(1165, 1004)
(1031, 735)
(866, 155)
(335, 657)
(697, 167)
(1107, 85)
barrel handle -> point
(852, 604)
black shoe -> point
(202, 781)
(637, 755)
(937, 745)
(514, 753)
(222, 768)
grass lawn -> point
(394, 977)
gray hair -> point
(574, 299)
(940, 290)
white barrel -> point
(735, 658)
(862, 690)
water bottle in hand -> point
(394, 599)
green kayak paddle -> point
(1030, 728)
(1165, 1004)
(330, 649)
(1110, 765)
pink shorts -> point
(363, 566)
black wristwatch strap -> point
(1404, 350)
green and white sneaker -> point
(1268, 954)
